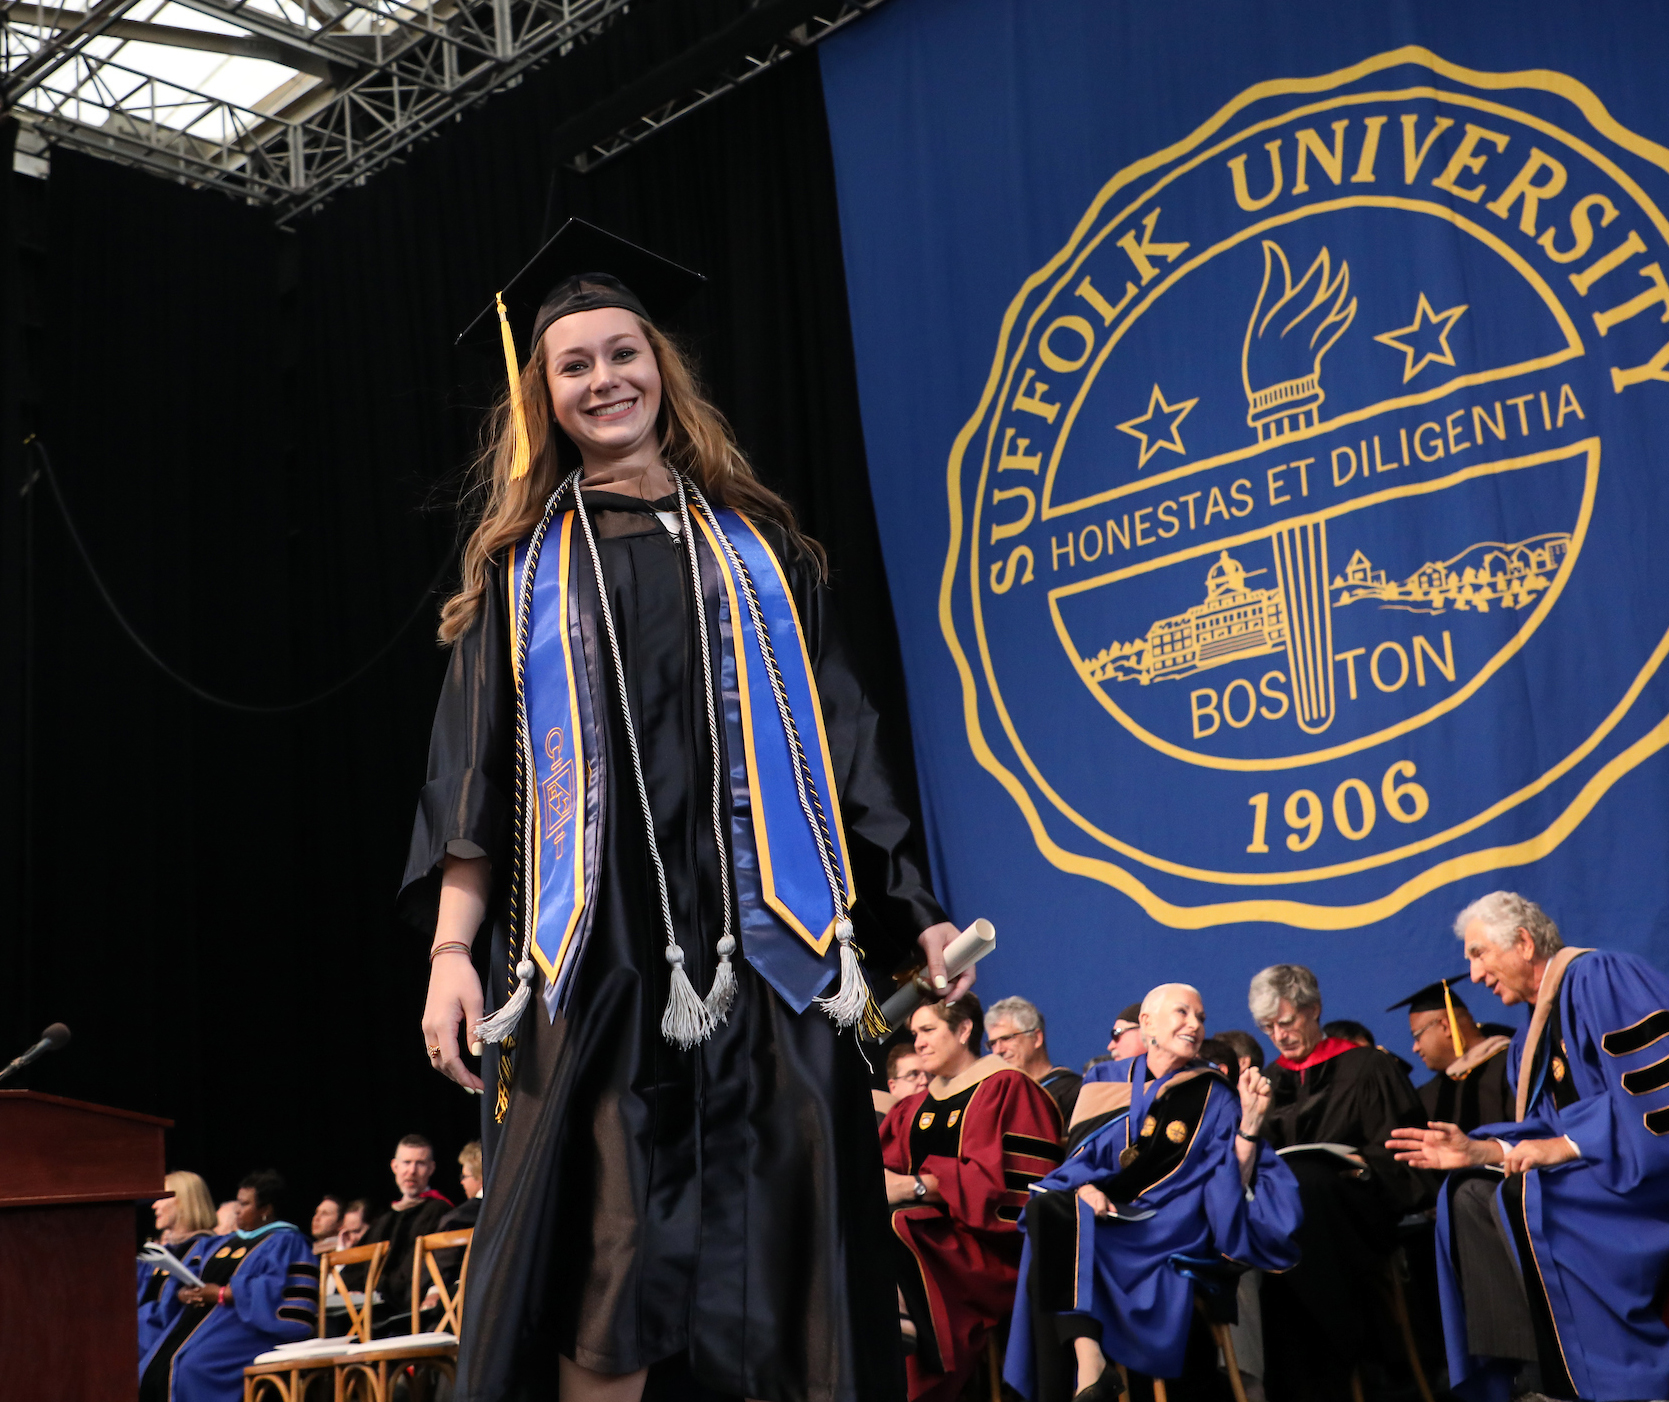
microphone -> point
(52, 1039)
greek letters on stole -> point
(785, 912)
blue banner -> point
(1265, 409)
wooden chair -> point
(365, 1372)
(291, 1378)
(1396, 1301)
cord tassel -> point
(722, 995)
(850, 1003)
(502, 1023)
(685, 1021)
(522, 452)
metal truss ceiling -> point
(284, 102)
(370, 78)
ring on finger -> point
(434, 1053)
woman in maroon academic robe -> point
(960, 1158)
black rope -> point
(199, 692)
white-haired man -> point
(1559, 1265)
(1321, 1318)
(1014, 1030)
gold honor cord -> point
(520, 939)
(853, 1004)
(1454, 1026)
(522, 456)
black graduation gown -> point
(1482, 1098)
(1323, 1316)
(401, 1231)
(723, 1207)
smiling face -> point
(605, 385)
(1296, 1032)
(1173, 1025)
(941, 1050)
(1513, 974)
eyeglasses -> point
(1425, 1027)
(912, 1078)
(1007, 1037)
(1120, 1028)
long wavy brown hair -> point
(696, 440)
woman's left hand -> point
(1254, 1099)
(933, 941)
(203, 1294)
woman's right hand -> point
(454, 997)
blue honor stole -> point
(786, 913)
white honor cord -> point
(850, 1001)
(687, 1019)
(723, 992)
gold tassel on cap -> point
(1454, 1023)
(522, 458)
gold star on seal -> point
(1424, 319)
(1153, 442)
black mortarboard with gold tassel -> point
(1437, 997)
(581, 268)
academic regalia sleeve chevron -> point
(1592, 1234)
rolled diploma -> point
(967, 949)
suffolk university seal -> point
(1307, 544)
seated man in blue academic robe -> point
(1557, 1263)
(260, 1288)
(1178, 1172)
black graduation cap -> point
(1431, 998)
(580, 269)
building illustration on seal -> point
(1237, 620)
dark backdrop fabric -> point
(261, 436)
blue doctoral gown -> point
(149, 1310)
(1200, 1208)
(275, 1300)
(1598, 1226)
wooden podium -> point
(70, 1174)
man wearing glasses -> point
(1014, 1029)
(1470, 1087)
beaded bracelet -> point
(447, 946)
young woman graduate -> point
(656, 781)
(260, 1288)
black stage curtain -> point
(261, 436)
